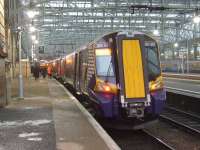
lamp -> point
(31, 14)
(196, 19)
(32, 29)
(33, 37)
(156, 32)
(176, 44)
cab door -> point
(132, 70)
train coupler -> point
(137, 112)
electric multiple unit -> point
(181, 65)
(120, 75)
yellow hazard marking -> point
(133, 69)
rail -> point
(156, 139)
(121, 141)
(184, 120)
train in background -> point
(120, 75)
(179, 66)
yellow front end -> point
(133, 69)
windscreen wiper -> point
(108, 71)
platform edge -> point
(102, 133)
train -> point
(180, 66)
(120, 76)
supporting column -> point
(21, 90)
(188, 54)
(195, 51)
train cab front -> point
(132, 81)
(141, 93)
(129, 82)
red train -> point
(120, 75)
(179, 66)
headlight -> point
(105, 87)
(157, 84)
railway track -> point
(181, 119)
(149, 139)
(137, 140)
(156, 139)
(129, 139)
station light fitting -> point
(32, 29)
(33, 37)
(196, 19)
(19, 28)
(24, 2)
(36, 41)
(156, 32)
(31, 14)
(176, 44)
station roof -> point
(71, 23)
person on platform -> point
(49, 71)
(44, 72)
(36, 71)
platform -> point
(49, 118)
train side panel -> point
(58, 68)
(52, 64)
(83, 66)
(55, 68)
(2, 83)
(85, 75)
(69, 73)
(62, 69)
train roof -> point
(117, 33)
(108, 34)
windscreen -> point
(152, 59)
(104, 66)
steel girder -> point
(80, 21)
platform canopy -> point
(71, 23)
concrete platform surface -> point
(47, 119)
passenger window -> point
(104, 64)
(152, 59)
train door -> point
(132, 78)
(59, 67)
(83, 70)
(2, 83)
(76, 72)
